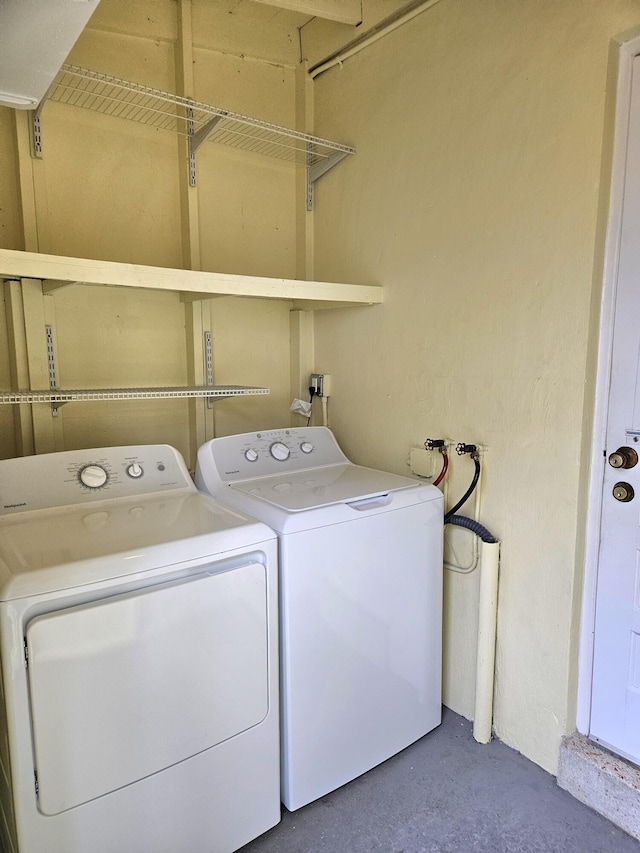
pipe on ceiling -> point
(385, 27)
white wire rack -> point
(58, 396)
(92, 90)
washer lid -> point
(317, 487)
(55, 549)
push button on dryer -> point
(95, 520)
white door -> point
(615, 709)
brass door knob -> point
(623, 492)
(624, 457)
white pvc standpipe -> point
(325, 411)
(486, 654)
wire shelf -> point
(92, 90)
(58, 396)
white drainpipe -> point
(486, 652)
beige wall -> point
(473, 199)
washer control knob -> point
(279, 451)
(93, 476)
(306, 447)
(135, 470)
(251, 455)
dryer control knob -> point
(251, 455)
(135, 470)
(93, 476)
(306, 447)
(279, 451)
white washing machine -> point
(360, 599)
(138, 641)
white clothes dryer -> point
(138, 641)
(360, 599)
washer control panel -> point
(259, 454)
(78, 476)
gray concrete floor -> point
(447, 794)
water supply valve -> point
(434, 443)
(462, 449)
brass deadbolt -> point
(624, 457)
(623, 492)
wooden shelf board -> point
(58, 271)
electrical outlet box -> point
(316, 381)
(321, 384)
(422, 462)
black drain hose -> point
(474, 526)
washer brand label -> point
(13, 506)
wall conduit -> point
(385, 27)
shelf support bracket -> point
(51, 364)
(36, 126)
(196, 138)
(205, 132)
(51, 284)
(192, 151)
(36, 134)
(317, 170)
(208, 361)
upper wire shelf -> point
(92, 90)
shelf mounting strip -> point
(81, 87)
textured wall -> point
(473, 199)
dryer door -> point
(126, 686)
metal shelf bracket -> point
(316, 170)
(196, 138)
(51, 361)
(208, 361)
(205, 132)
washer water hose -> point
(467, 494)
(445, 465)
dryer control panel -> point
(263, 454)
(79, 476)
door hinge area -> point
(35, 781)
(26, 652)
